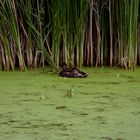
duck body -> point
(71, 72)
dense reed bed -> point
(83, 33)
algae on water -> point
(40, 106)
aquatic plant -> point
(81, 33)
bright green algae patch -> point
(43, 106)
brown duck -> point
(71, 72)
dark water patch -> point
(25, 93)
(100, 109)
(102, 83)
(5, 123)
(112, 83)
(93, 138)
(100, 119)
(45, 87)
(14, 121)
(106, 138)
(83, 114)
(119, 139)
(10, 122)
(53, 86)
(5, 114)
(30, 93)
(135, 99)
(136, 113)
(111, 93)
(92, 102)
(102, 122)
(133, 81)
(107, 96)
(101, 103)
(80, 85)
(37, 93)
(79, 113)
(99, 94)
(64, 134)
(86, 93)
(3, 104)
(37, 125)
(48, 104)
(11, 132)
(56, 124)
(126, 76)
(26, 126)
(61, 107)
(35, 133)
(17, 103)
(60, 126)
(29, 100)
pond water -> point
(42, 106)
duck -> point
(71, 72)
(77, 73)
(65, 72)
